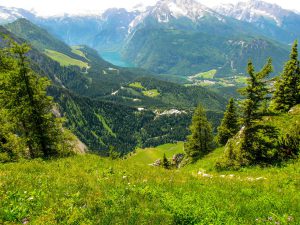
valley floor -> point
(92, 190)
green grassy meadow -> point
(206, 75)
(137, 85)
(151, 93)
(77, 51)
(149, 155)
(65, 60)
(88, 189)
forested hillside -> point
(101, 118)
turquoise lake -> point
(116, 59)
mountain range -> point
(180, 37)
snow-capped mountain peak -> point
(166, 10)
(9, 14)
(253, 11)
(179, 8)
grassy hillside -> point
(92, 190)
(149, 155)
(40, 38)
(65, 60)
(77, 51)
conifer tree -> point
(24, 99)
(255, 93)
(165, 162)
(229, 125)
(287, 93)
(257, 139)
(200, 141)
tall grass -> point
(93, 190)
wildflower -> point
(222, 176)
(250, 178)
(25, 221)
(124, 177)
(206, 175)
(260, 178)
(290, 218)
(270, 218)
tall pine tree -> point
(287, 93)
(255, 93)
(229, 125)
(258, 139)
(200, 141)
(23, 98)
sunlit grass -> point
(77, 51)
(65, 60)
(149, 155)
(137, 85)
(151, 93)
(93, 190)
(206, 75)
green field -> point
(151, 93)
(77, 51)
(149, 155)
(206, 75)
(89, 189)
(137, 85)
(65, 60)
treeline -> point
(252, 137)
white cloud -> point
(54, 7)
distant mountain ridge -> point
(253, 11)
(273, 21)
(185, 37)
(197, 38)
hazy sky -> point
(55, 7)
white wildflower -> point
(207, 175)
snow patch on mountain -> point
(253, 11)
(166, 10)
(9, 13)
